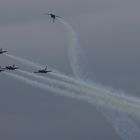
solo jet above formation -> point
(2, 69)
(11, 67)
(52, 16)
(1, 51)
(43, 71)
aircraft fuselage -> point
(2, 70)
(43, 71)
(53, 16)
(11, 68)
(1, 52)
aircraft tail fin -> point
(46, 68)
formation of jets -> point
(13, 67)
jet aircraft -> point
(1, 51)
(43, 70)
(52, 16)
(11, 67)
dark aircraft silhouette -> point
(2, 69)
(43, 71)
(11, 67)
(1, 51)
(52, 16)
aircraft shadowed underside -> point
(43, 70)
(11, 67)
(1, 51)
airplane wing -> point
(58, 17)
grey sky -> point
(109, 34)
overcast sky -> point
(108, 32)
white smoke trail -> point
(64, 81)
(123, 124)
(118, 121)
(76, 56)
(55, 74)
(81, 87)
(58, 75)
(24, 61)
(129, 105)
(57, 83)
(52, 86)
(49, 87)
(67, 84)
(74, 49)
